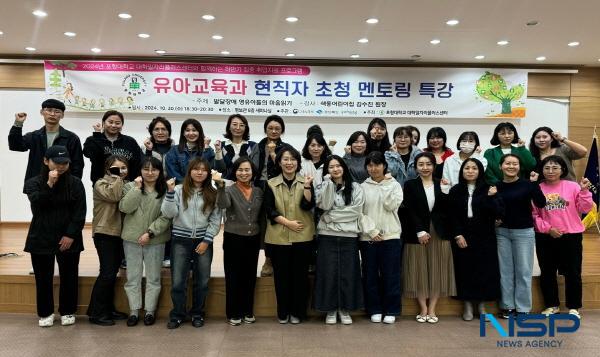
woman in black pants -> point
(58, 206)
(241, 239)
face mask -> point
(467, 148)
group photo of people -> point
(401, 214)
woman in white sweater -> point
(338, 288)
(380, 245)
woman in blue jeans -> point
(196, 220)
(515, 235)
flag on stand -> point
(593, 174)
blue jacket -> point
(177, 161)
(396, 166)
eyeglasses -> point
(53, 111)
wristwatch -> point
(150, 234)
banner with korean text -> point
(287, 90)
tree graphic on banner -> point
(492, 87)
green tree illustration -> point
(63, 66)
(55, 80)
(492, 87)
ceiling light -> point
(289, 39)
(573, 44)
(452, 22)
(363, 40)
(290, 55)
(96, 50)
(479, 57)
(532, 23)
(31, 49)
(217, 37)
(540, 58)
(354, 56)
(372, 21)
(1, 33)
(225, 52)
(125, 16)
(502, 43)
(435, 41)
(208, 17)
(160, 52)
(143, 35)
(70, 34)
(291, 19)
(40, 13)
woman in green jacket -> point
(145, 231)
(505, 135)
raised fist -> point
(20, 117)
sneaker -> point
(234, 322)
(575, 312)
(46, 321)
(345, 317)
(506, 313)
(294, 320)
(67, 320)
(389, 319)
(166, 263)
(467, 311)
(331, 318)
(551, 311)
(376, 318)
(284, 321)
(249, 319)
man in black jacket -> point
(39, 140)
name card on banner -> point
(287, 90)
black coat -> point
(57, 212)
(98, 148)
(476, 266)
(36, 143)
(272, 168)
(416, 205)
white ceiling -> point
(326, 29)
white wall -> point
(14, 206)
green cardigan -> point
(493, 174)
(142, 212)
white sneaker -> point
(67, 320)
(376, 318)
(575, 312)
(345, 317)
(284, 321)
(551, 311)
(249, 319)
(294, 320)
(389, 319)
(331, 318)
(46, 321)
(166, 263)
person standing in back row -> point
(38, 141)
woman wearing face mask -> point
(159, 143)
(401, 156)
(242, 203)
(191, 145)
(338, 289)
(107, 140)
(290, 230)
(356, 151)
(145, 232)
(436, 144)
(558, 237)
(505, 135)
(380, 243)
(515, 235)
(237, 131)
(468, 146)
(427, 262)
(379, 139)
(545, 142)
(474, 206)
(58, 207)
(106, 231)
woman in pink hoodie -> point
(559, 234)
